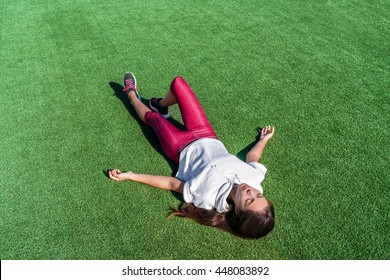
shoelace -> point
(129, 85)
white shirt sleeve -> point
(258, 166)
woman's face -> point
(249, 199)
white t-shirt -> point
(210, 171)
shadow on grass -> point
(242, 154)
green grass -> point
(317, 70)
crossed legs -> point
(141, 109)
(171, 138)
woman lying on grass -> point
(219, 189)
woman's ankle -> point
(162, 103)
(168, 100)
(131, 95)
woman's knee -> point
(176, 83)
(151, 117)
(178, 79)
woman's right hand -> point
(117, 175)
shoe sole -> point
(156, 110)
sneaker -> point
(130, 84)
(154, 104)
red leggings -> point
(172, 139)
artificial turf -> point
(318, 71)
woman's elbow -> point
(252, 157)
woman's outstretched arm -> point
(255, 153)
(157, 181)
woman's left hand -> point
(267, 133)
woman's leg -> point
(194, 117)
(168, 100)
(160, 105)
(171, 138)
(139, 107)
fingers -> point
(267, 129)
(267, 132)
(113, 174)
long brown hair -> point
(246, 224)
